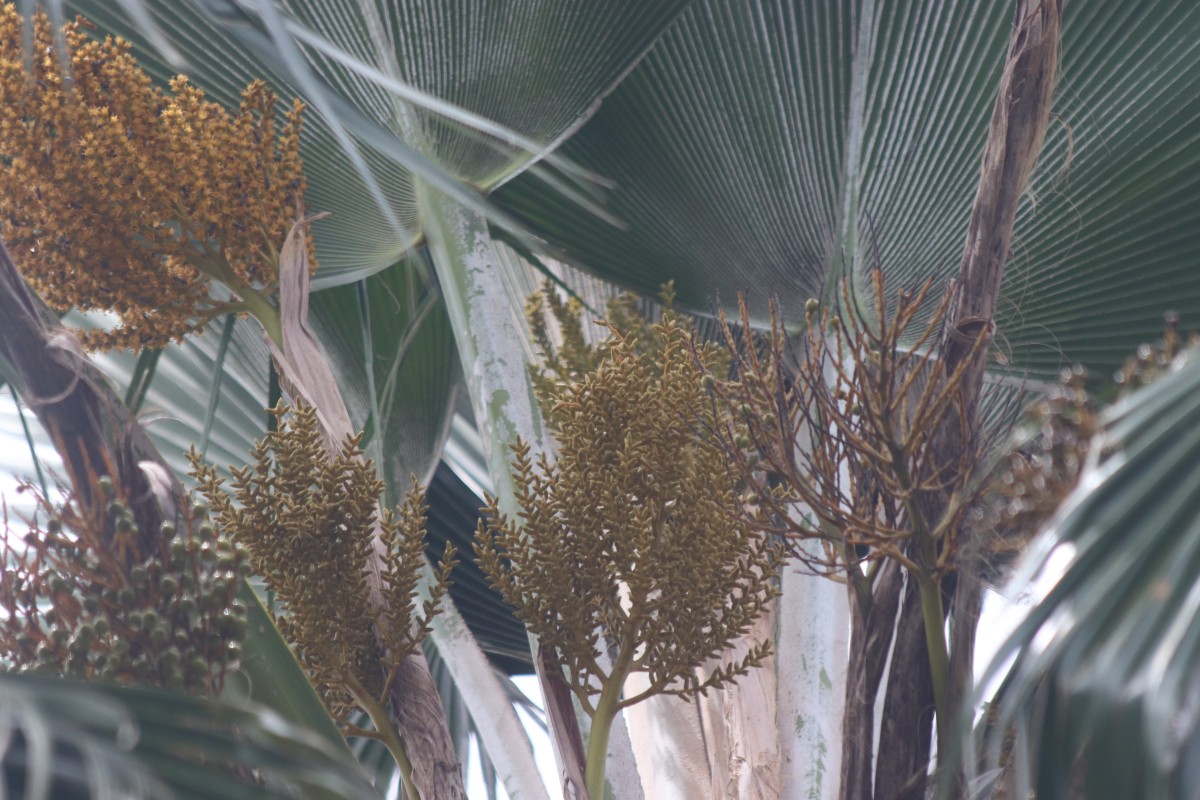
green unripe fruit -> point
(234, 626)
(101, 626)
(106, 485)
(168, 586)
(199, 510)
(167, 529)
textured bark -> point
(421, 720)
(870, 641)
(1018, 127)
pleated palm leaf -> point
(770, 146)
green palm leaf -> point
(64, 739)
(1102, 683)
(769, 146)
(473, 91)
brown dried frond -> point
(634, 533)
(73, 606)
(118, 196)
(848, 425)
(308, 519)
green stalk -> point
(597, 752)
(607, 708)
(253, 301)
(939, 658)
(387, 733)
(264, 311)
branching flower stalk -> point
(863, 393)
(308, 520)
(634, 538)
(115, 195)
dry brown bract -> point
(118, 196)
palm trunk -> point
(870, 641)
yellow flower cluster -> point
(636, 532)
(117, 195)
(307, 519)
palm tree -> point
(775, 147)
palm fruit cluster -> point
(77, 604)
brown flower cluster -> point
(633, 534)
(308, 520)
(867, 398)
(1051, 446)
(77, 605)
(116, 195)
